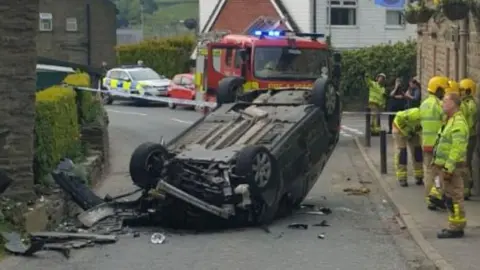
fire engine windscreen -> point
(286, 63)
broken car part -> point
(95, 238)
(298, 226)
(81, 194)
(321, 236)
(93, 215)
(15, 245)
(324, 223)
(157, 238)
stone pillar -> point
(18, 54)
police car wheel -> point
(325, 96)
(147, 163)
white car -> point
(135, 80)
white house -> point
(351, 23)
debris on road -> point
(321, 236)
(365, 182)
(357, 191)
(157, 238)
(324, 223)
(298, 226)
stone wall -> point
(438, 54)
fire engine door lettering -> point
(299, 85)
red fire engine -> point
(267, 59)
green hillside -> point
(161, 17)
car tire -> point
(325, 96)
(172, 105)
(229, 89)
(260, 170)
(147, 163)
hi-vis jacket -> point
(431, 118)
(408, 122)
(469, 111)
(451, 146)
(376, 93)
(119, 85)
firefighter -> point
(431, 116)
(376, 101)
(469, 110)
(450, 156)
(406, 130)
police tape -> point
(176, 101)
(196, 103)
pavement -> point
(460, 254)
(363, 231)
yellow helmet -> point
(437, 82)
(468, 84)
(453, 87)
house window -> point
(342, 12)
(45, 22)
(71, 24)
(395, 18)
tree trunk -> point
(18, 59)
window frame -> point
(350, 5)
(42, 18)
(74, 22)
(401, 18)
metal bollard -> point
(368, 127)
(383, 152)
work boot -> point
(446, 233)
(403, 183)
(419, 181)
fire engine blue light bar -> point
(269, 33)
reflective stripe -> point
(457, 217)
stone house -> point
(78, 31)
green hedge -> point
(397, 60)
(168, 56)
(57, 131)
(89, 106)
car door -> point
(187, 87)
(174, 89)
(123, 78)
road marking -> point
(344, 134)
(123, 112)
(352, 130)
(181, 121)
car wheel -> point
(325, 96)
(171, 105)
(260, 170)
(229, 89)
(147, 163)
(107, 99)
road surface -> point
(362, 232)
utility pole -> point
(142, 19)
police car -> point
(134, 80)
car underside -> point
(246, 161)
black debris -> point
(325, 210)
(136, 234)
(298, 226)
(324, 223)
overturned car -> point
(248, 160)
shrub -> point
(167, 56)
(89, 107)
(397, 60)
(57, 132)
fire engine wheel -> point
(325, 96)
(229, 89)
(147, 163)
